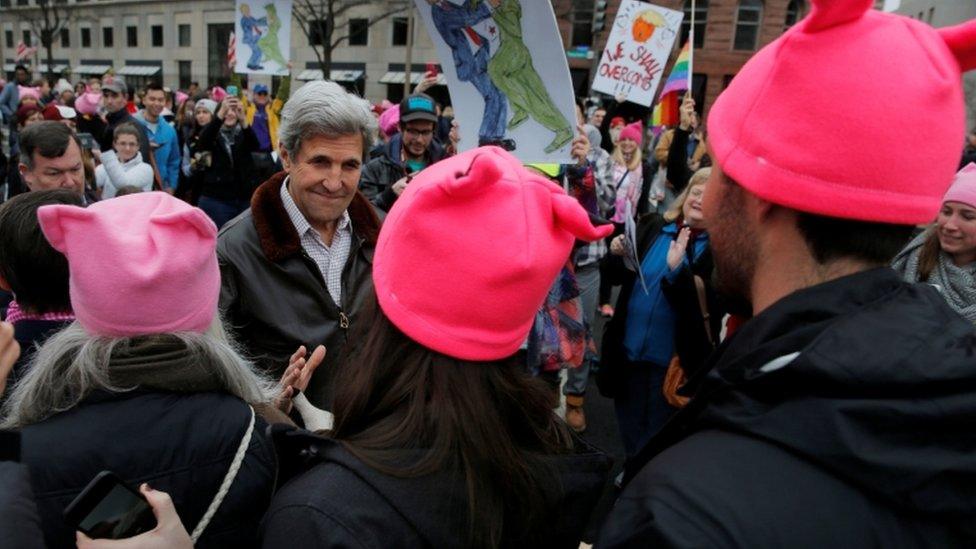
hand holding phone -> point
(232, 90)
(109, 508)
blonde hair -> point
(698, 178)
(618, 157)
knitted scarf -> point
(957, 284)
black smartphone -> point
(108, 508)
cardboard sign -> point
(638, 48)
(507, 74)
(263, 36)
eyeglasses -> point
(419, 133)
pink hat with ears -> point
(963, 189)
(140, 264)
(29, 91)
(218, 94)
(634, 132)
(88, 102)
(181, 97)
(809, 121)
(500, 233)
(390, 121)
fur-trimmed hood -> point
(277, 234)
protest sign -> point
(507, 74)
(637, 51)
(263, 37)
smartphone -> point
(432, 69)
(232, 90)
(87, 141)
(108, 508)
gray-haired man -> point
(296, 267)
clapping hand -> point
(678, 247)
(297, 375)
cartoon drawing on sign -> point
(511, 69)
(269, 42)
(252, 36)
(471, 51)
(638, 48)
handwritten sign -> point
(637, 50)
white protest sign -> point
(263, 36)
(637, 51)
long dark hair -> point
(489, 421)
(928, 256)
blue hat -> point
(260, 88)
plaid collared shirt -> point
(329, 259)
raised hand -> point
(678, 247)
(297, 375)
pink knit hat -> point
(29, 91)
(469, 251)
(218, 94)
(963, 189)
(88, 102)
(390, 121)
(140, 264)
(810, 121)
(634, 132)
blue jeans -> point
(642, 409)
(222, 211)
(256, 54)
(494, 123)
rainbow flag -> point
(666, 111)
(678, 80)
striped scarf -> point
(957, 284)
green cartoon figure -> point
(512, 71)
(269, 42)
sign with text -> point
(638, 48)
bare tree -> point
(326, 22)
(46, 19)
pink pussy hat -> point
(469, 251)
(852, 113)
(88, 102)
(634, 132)
(140, 264)
(963, 188)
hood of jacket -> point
(867, 376)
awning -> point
(58, 68)
(336, 75)
(397, 77)
(9, 67)
(92, 69)
(138, 70)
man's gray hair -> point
(73, 363)
(325, 108)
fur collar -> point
(277, 234)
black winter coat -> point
(20, 526)
(272, 294)
(841, 416)
(229, 177)
(180, 443)
(341, 502)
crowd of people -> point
(304, 320)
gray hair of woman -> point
(73, 363)
(325, 108)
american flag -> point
(24, 52)
(232, 52)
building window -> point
(108, 37)
(86, 38)
(795, 11)
(157, 35)
(931, 15)
(359, 32)
(726, 80)
(26, 37)
(22, 3)
(701, 21)
(132, 37)
(400, 31)
(317, 31)
(8, 37)
(65, 38)
(4, 3)
(582, 23)
(218, 36)
(183, 69)
(184, 38)
(748, 19)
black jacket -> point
(341, 502)
(860, 435)
(230, 176)
(20, 525)
(691, 341)
(180, 443)
(380, 173)
(273, 296)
